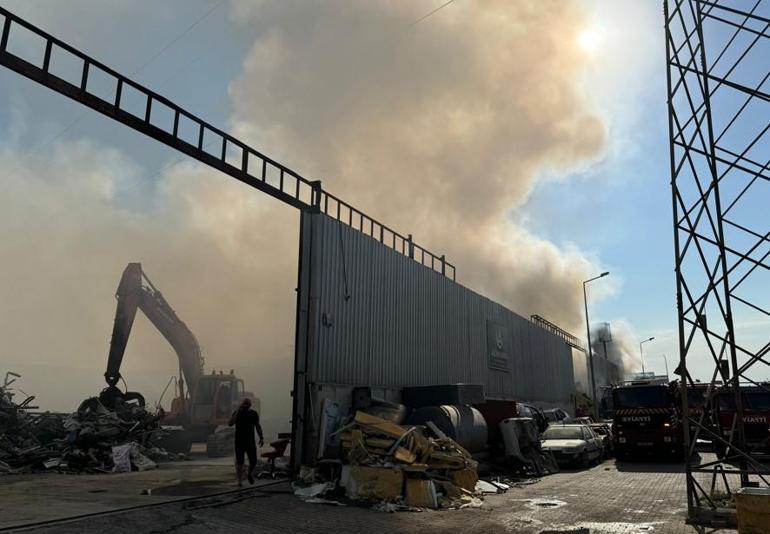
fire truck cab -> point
(645, 420)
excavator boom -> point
(136, 291)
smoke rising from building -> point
(622, 350)
(441, 128)
(580, 369)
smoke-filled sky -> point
(526, 140)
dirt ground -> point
(612, 498)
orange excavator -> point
(208, 400)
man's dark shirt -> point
(246, 422)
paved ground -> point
(610, 498)
(39, 497)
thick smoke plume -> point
(622, 350)
(439, 128)
(68, 235)
(580, 370)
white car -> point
(572, 444)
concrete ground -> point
(46, 496)
(612, 498)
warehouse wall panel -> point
(383, 320)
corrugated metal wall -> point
(383, 320)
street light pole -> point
(588, 333)
(665, 360)
(641, 353)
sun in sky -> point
(590, 39)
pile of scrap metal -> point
(523, 452)
(409, 467)
(88, 440)
(516, 440)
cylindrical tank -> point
(464, 424)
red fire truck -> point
(645, 420)
(756, 419)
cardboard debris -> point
(375, 483)
(379, 443)
(369, 440)
(375, 425)
(397, 468)
(390, 463)
(414, 468)
(421, 493)
(465, 478)
(405, 456)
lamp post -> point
(665, 360)
(588, 333)
(641, 354)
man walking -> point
(246, 421)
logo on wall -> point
(498, 345)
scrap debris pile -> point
(396, 467)
(93, 439)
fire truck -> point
(645, 420)
(756, 419)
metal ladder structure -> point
(719, 115)
(163, 120)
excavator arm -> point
(136, 291)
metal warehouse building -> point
(369, 312)
(369, 315)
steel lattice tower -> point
(718, 54)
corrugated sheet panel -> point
(383, 320)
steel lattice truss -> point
(718, 54)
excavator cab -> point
(216, 398)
